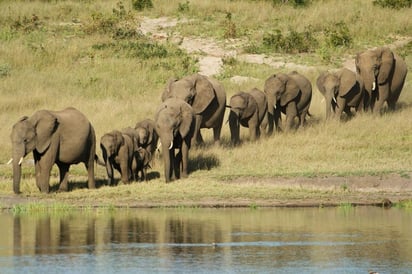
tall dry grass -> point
(54, 65)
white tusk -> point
(10, 161)
(334, 100)
(20, 161)
(171, 145)
(373, 85)
(323, 100)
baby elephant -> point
(141, 163)
(342, 91)
(249, 110)
(118, 153)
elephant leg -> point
(291, 113)
(43, 167)
(91, 183)
(253, 128)
(217, 130)
(197, 137)
(124, 170)
(64, 177)
(340, 107)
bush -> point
(295, 3)
(142, 4)
(394, 4)
(293, 42)
(338, 35)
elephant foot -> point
(63, 188)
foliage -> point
(4, 70)
(294, 3)
(338, 35)
(230, 27)
(183, 7)
(292, 42)
(393, 4)
(142, 4)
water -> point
(301, 240)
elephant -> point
(248, 109)
(118, 149)
(147, 137)
(207, 98)
(143, 158)
(342, 90)
(62, 137)
(174, 123)
(290, 94)
(383, 74)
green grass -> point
(88, 55)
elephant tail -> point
(98, 161)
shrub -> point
(338, 35)
(230, 27)
(295, 3)
(293, 42)
(394, 4)
(142, 4)
(183, 7)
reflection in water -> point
(209, 240)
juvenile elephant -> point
(342, 91)
(207, 98)
(147, 137)
(174, 122)
(142, 159)
(62, 137)
(118, 151)
(249, 110)
(383, 74)
(290, 94)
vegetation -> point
(92, 55)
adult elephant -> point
(146, 136)
(383, 74)
(118, 150)
(290, 94)
(63, 137)
(342, 90)
(249, 110)
(174, 123)
(207, 98)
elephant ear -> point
(118, 139)
(320, 81)
(166, 92)
(186, 119)
(150, 128)
(386, 64)
(251, 106)
(204, 94)
(347, 81)
(45, 124)
(290, 93)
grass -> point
(55, 54)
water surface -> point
(280, 240)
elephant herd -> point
(194, 102)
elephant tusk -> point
(171, 145)
(20, 161)
(334, 100)
(374, 85)
(323, 100)
(10, 161)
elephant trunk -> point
(369, 82)
(234, 125)
(18, 155)
(328, 104)
(168, 152)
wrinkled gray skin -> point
(207, 98)
(174, 122)
(147, 137)
(63, 137)
(118, 153)
(342, 91)
(248, 109)
(143, 158)
(290, 94)
(383, 74)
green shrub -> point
(183, 7)
(394, 4)
(230, 27)
(295, 3)
(292, 42)
(142, 4)
(4, 70)
(338, 35)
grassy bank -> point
(89, 55)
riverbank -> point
(383, 190)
